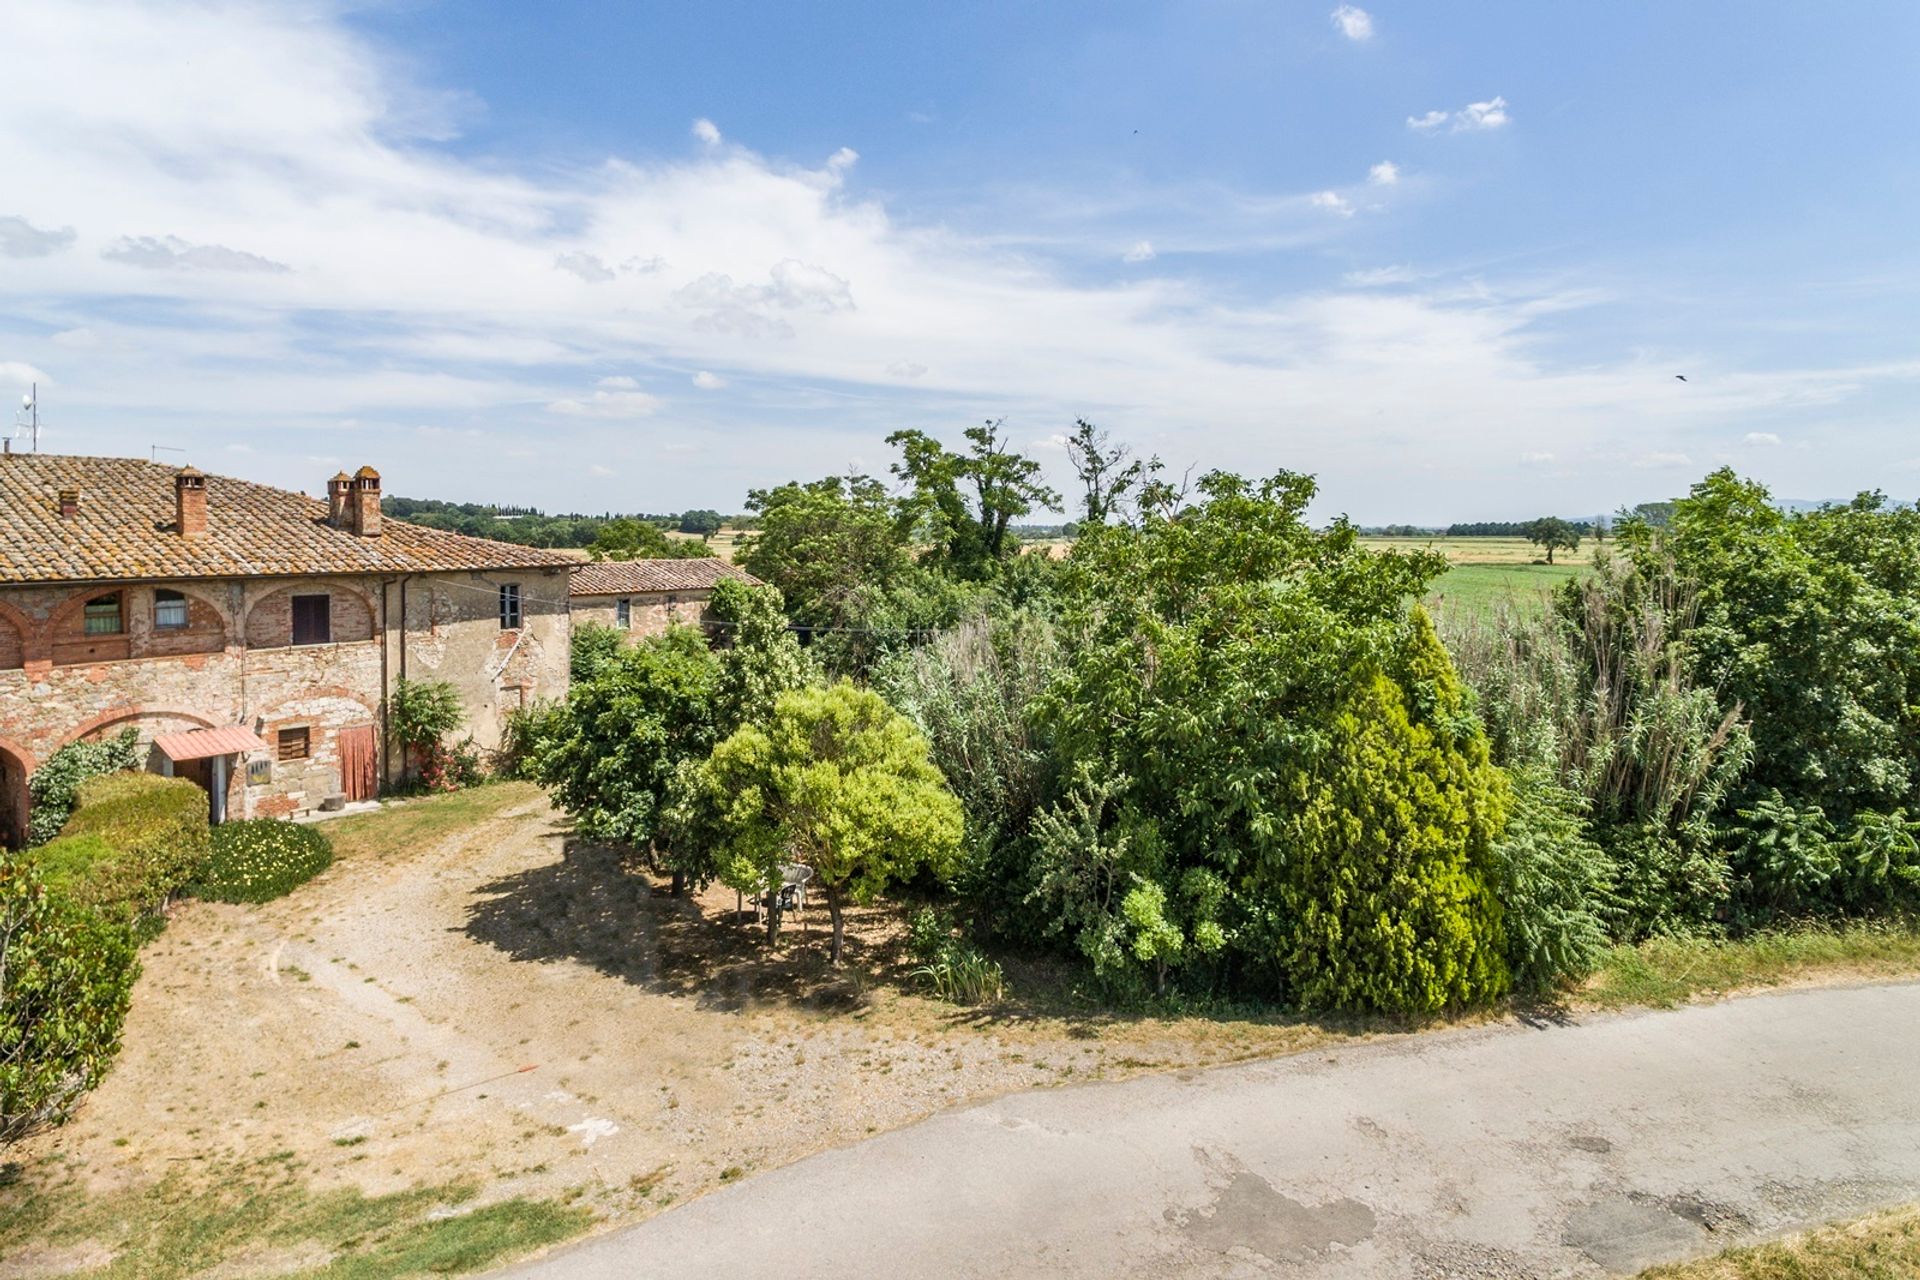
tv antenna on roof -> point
(27, 418)
(154, 451)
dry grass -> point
(1669, 971)
(1883, 1246)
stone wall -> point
(651, 613)
(207, 674)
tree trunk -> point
(773, 917)
(679, 884)
(1549, 553)
(833, 909)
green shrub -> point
(132, 841)
(261, 859)
(952, 968)
(66, 976)
(55, 785)
(1552, 882)
(1388, 855)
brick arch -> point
(16, 766)
(268, 623)
(338, 691)
(116, 715)
(65, 635)
(209, 628)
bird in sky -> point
(1681, 376)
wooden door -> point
(359, 774)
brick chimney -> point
(364, 503)
(69, 503)
(337, 490)
(190, 502)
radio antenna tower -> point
(28, 418)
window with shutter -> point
(312, 619)
(510, 606)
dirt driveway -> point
(469, 993)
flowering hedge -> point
(260, 859)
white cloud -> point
(842, 160)
(427, 290)
(599, 470)
(79, 338)
(585, 265)
(1139, 251)
(163, 253)
(1333, 202)
(20, 374)
(1353, 23)
(707, 131)
(1760, 439)
(1475, 116)
(21, 239)
(1384, 174)
(1661, 461)
(614, 399)
(1374, 277)
(1482, 115)
(708, 381)
(1536, 459)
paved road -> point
(1505, 1152)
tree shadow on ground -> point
(599, 905)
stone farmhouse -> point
(250, 634)
(645, 597)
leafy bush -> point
(132, 841)
(950, 967)
(422, 712)
(593, 645)
(1553, 882)
(969, 690)
(66, 977)
(55, 785)
(260, 859)
(524, 732)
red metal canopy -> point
(198, 744)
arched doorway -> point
(15, 768)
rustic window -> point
(169, 610)
(103, 616)
(510, 606)
(293, 744)
(312, 619)
(623, 613)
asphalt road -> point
(1582, 1150)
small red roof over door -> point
(198, 744)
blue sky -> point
(1448, 258)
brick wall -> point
(207, 676)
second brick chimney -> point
(364, 503)
(337, 490)
(190, 502)
(69, 503)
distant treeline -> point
(1508, 529)
(533, 528)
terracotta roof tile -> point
(125, 529)
(643, 577)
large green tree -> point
(1210, 658)
(1551, 533)
(965, 503)
(832, 547)
(836, 780)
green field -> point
(1491, 574)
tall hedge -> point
(1388, 878)
(66, 975)
(133, 839)
(55, 785)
